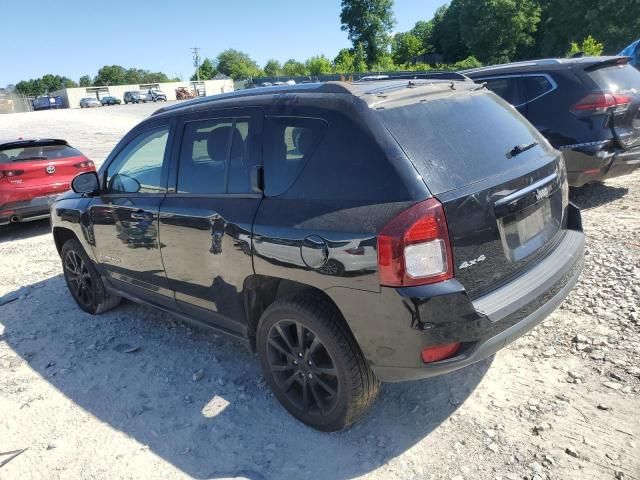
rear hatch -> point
(45, 166)
(502, 185)
(620, 82)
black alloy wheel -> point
(302, 367)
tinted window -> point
(536, 86)
(617, 79)
(37, 152)
(138, 167)
(214, 157)
(507, 88)
(289, 143)
(460, 139)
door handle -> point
(140, 215)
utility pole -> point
(196, 60)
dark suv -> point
(587, 107)
(350, 233)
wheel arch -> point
(62, 235)
(260, 291)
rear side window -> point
(214, 158)
(37, 152)
(535, 86)
(289, 143)
(460, 139)
(616, 79)
(507, 88)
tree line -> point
(461, 34)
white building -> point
(71, 96)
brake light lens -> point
(414, 247)
(439, 352)
(85, 164)
(601, 102)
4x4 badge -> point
(471, 263)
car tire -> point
(322, 378)
(84, 282)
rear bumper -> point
(33, 209)
(590, 163)
(394, 326)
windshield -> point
(460, 139)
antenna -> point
(196, 60)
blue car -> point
(46, 102)
(633, 51)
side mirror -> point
(86, 182)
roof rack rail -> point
(429, 76)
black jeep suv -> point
(350, 233)
(587, 107)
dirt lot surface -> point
(134, 393)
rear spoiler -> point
(44, 142)
(609, 62)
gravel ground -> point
(134, 393)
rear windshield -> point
(617, 79)
(460, 139)
(37, 152)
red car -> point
(33, 173)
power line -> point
(196, 60)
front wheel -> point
(83, 281)
(313, 364)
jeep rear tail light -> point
(601, 102)
(414, 248)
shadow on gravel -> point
(596, 194)
(20, 231)
(138, 370)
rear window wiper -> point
(518, 149)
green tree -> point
(360, 59)
(589, 47)
(344, 61)
(111, 75)
(85, 81)
(405, 46)
(237, 65)
(614, 22)
(272, 68)
(368, 23)
(207, 70)
(293, 68)
(493, 30)
(424, 31)
(446, 36)
(319, 65)
(469, 62)
(45, 84)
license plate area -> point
(525, 231)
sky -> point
(74, 38)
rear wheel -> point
(313, 364)
(83, 281)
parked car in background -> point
(350, 235)
(157, 95)
(136, 96)
(110, 100)
(33, 173)
(6, 104)
(587, 107)
(89, 102)
(632, 51)
(46, 103)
